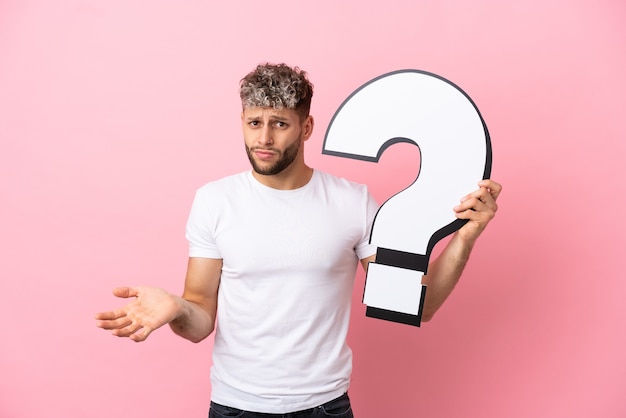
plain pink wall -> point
(113, 112)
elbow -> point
(427, 317)
(428, 314)
(196, 340)
(200, 337)
(195, 336)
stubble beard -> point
(287, 157)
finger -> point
(125, 292)
(480, 200)
(112, 315)
(494, 188)
(114, 324)
(141, 334)
(481, 194)
(472, 215)
(470, 205)
(471, 202)
(466, 214)
(128, 330)
(476, 210)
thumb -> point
(141, 335)
(125, 292)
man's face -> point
(273, 138)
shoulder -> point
(331, 180)
(225, 184)
(217, 193)
(344, 192)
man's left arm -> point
(479, 208)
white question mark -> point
(434, 114)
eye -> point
(253, 123)
(280, 125)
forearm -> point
(193, 321)
(444, 273)
(478, 208)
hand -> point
(479, 207)
(152, 308)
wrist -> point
(466, 238)
(462, 246)
(180, 308)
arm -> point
(479, 208)
(443, 274)
(197, 318)
(191, 316)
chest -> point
(263, 236)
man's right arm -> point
(191, 316)
(198, 305)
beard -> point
(285, 159)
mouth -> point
(264, 154)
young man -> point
(273, 254)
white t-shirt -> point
(289, 260)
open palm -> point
(152, 308)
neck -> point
(292, 177)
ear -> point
(307, 127)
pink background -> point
(113, 112)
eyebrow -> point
(271, 118)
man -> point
(273, 254)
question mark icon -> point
(432, 113)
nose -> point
(265, 136)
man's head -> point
(277, 86)
(276, 100)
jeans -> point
(337, 408)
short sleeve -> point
(364, 249)
(200, 229)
